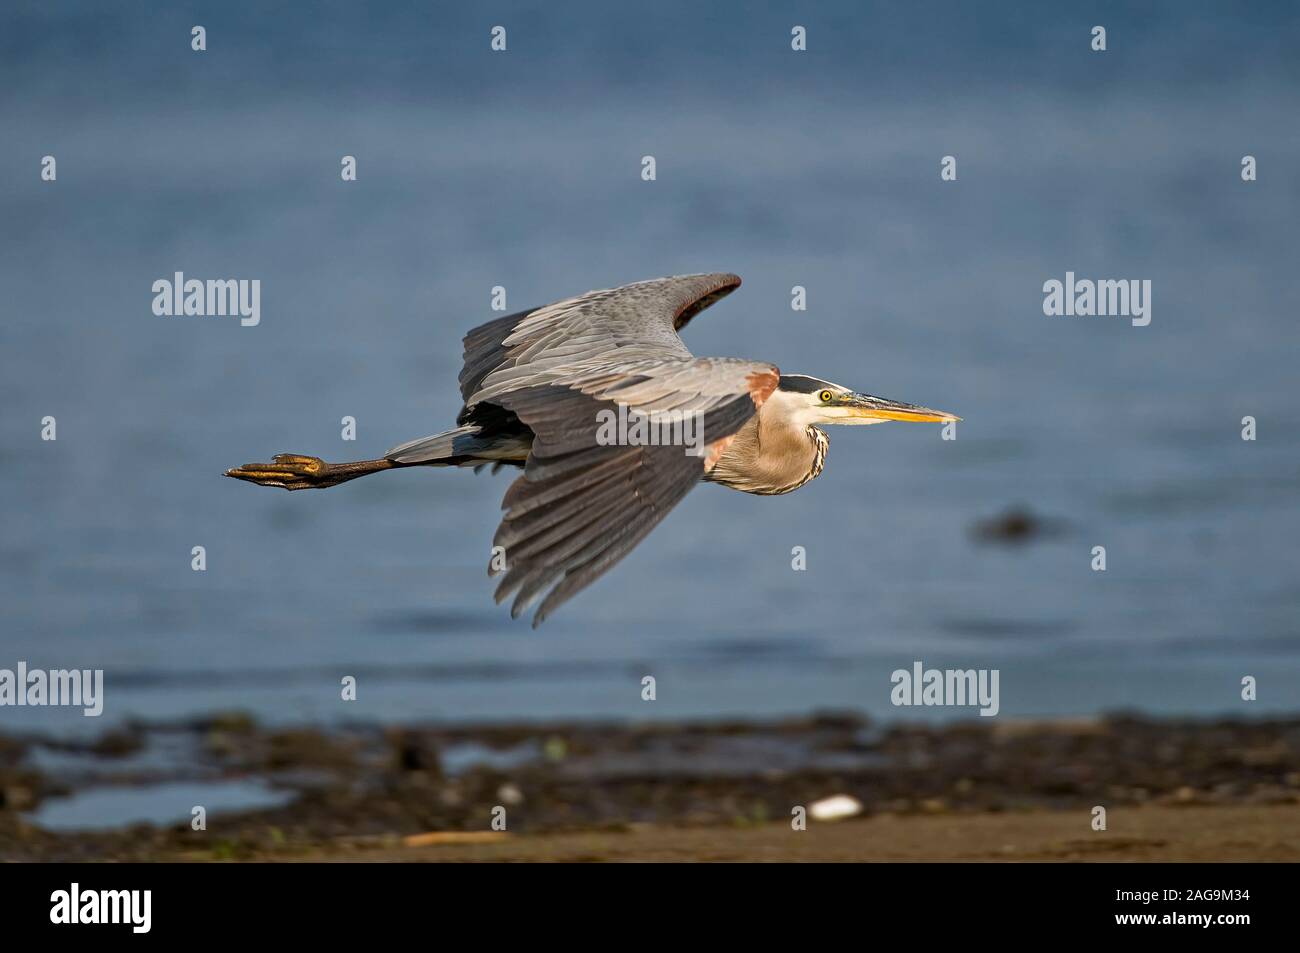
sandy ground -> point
(1266, 833)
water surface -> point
(522, 170)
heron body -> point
(537, 386)
(773, 453)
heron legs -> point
(294, 471)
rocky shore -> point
(719, 790)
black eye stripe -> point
(802, 384)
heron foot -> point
(293, 471)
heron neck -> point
(771, 456)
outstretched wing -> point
(635, 322)
(583, 501)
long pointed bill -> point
(880, 408)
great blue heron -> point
(543, 389)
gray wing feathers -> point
(536, 346)
(636, 321)
(580, 506)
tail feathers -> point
(462, 447)
(437, 448)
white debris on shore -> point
(835, 808)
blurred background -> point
(522, 169)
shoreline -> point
(1172, 789)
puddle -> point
(460, 757)
(164, 752)
(107, 808)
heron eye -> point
(826, 396)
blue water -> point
(522, 169)
(110, 808)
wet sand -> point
(1141, 834)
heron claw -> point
(292, 471)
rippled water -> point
(522, 170)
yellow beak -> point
(880, 408)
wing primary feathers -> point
(582, 504)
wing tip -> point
(718, 285)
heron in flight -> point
(541, 390)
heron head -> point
(810, 400)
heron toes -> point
(296, 460)
(293, 471)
